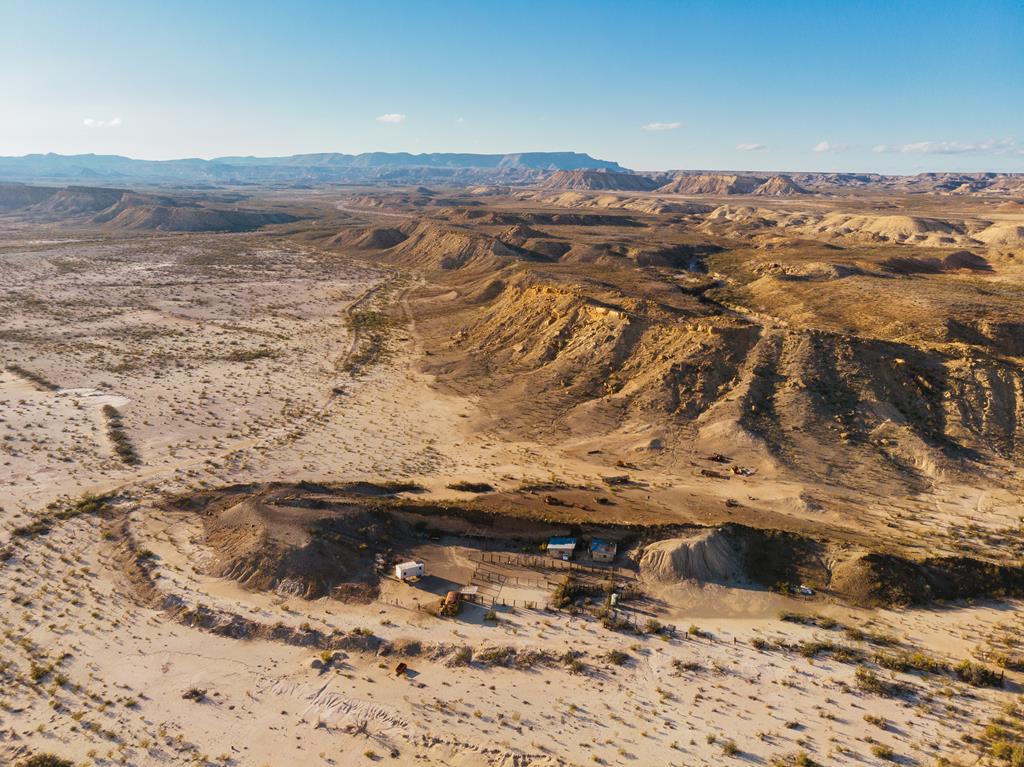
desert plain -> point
(794, 403)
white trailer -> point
(408, 570)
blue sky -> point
(886, 86)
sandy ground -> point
(223, 356)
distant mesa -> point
(328, 167)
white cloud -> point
(92, 122)
(661, 126)
(991, 146)
(825, 146)
(751, 147)
(392, 117)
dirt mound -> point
(435, 246)
(518, 234)
(962, 259)
(709, 556)
(368, 238)
(591, 179)
(298, 549)
(535, 244)
(1004, 235)
(876, 579)
(779, 186)
(711, 183)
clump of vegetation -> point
(868, 681)
(373, 331)
(496, 656)
(571, 659)
(47, 760)
(566, 591)
(250, 355)
(878, 721)
(37, 379)
(618, 657)
(471, 487)
(57, 512)
(118, 437)
(685, 665)
(821, 621)
(194, 693)
(883, 751)
(799, 759)
(907, 662)
(978, 675)
(871, 637)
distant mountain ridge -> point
(322, 168)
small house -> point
(408, 570)
(603, 551)
(561, 548)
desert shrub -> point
(118, 437)
(566, 591)
(618, 657)
(916, 661)
(878, 721)
(978, 675)
(868, 681)
(471, 487)
(47, 760)
(250, 355)
(496, 656)
(883, 751)
(39, 380)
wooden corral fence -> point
(486, 600)
(536, 562)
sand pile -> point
(709, 556)
(301, 550)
